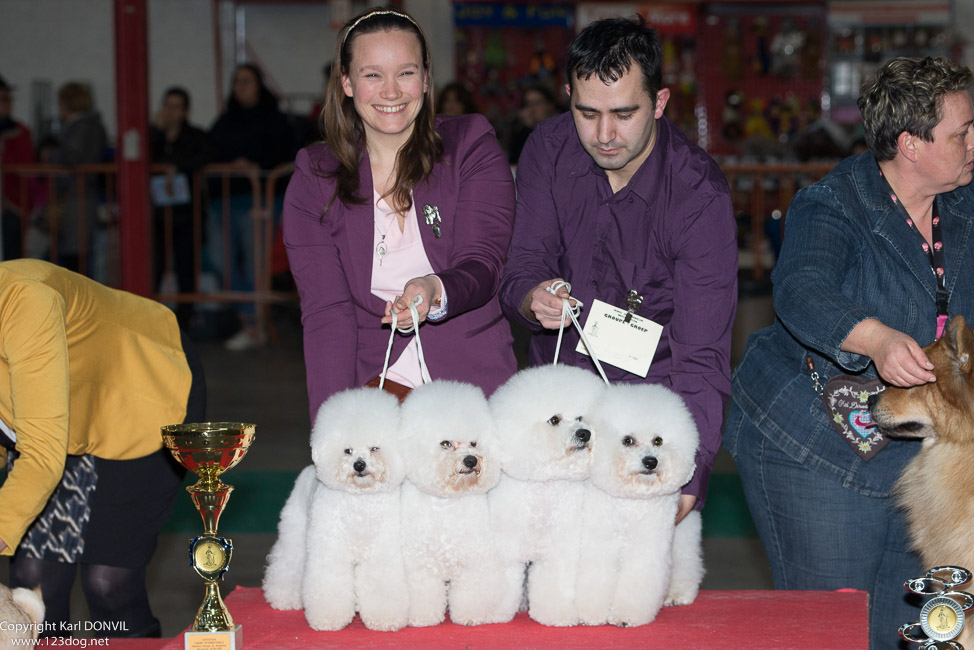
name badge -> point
(626, 343)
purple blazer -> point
(331, 261)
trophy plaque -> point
(942, 617)
(208, 449)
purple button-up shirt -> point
(669, 234)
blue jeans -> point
(241, 248)
(820, 535)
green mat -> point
(726, 513)
(258, 496)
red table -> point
(718, 620)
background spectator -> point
(537, 104)
(456, 99)
(178, 143)
(82, 140)
(15, 148)
(254, 135)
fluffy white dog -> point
(449, 448)
(542, 419)
(284, 574)
(347, 557)
(645, 455)
(688, 570)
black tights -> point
(117, 598)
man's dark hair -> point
(180, 92)
(608, 48)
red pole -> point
(132, 151)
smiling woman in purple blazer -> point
(398, 204)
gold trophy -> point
(208, 449)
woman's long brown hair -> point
(343, 129)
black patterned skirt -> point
(58, 533)
(105, 511)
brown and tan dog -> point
(21, 613)
(936, 488)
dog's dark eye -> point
(554, 420)
(446, 444)
(473, 443)
(348, 452)
(374, 449)
(628, 441)
(657, 441)
(578, 419)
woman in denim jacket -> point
(867, 275)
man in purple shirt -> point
(617, 201)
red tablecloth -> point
(718, 620)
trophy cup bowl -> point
(208, 449)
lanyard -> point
(935, 253)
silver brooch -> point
(433, 219)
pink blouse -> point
(403, 258)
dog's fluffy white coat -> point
(542, 419)
(450, 452)
(644, 455)
(338, 550)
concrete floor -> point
(267, 387)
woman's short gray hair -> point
(907, 94)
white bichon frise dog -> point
(644, 456)
(346, 558)
(284, 575)
(542, 419)
(449, 449)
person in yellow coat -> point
(88, 375)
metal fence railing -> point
(50, 194)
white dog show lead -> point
(392, 336)
(423, 371)
(565, 305)
(572, 312)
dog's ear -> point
(960, 341)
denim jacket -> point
(847, 255)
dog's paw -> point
(425, 621)
(680, 596)
(284, 602)
(678, 600)
(383, 624)
(629, 621)
(474, 620)
(325, 622)
(552, 620)
(422, 615)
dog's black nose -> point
(872, 400)
(470, 461)
(650, 462)
(583, 435)
(359, 465)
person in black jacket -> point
(254, 135)
(186, 148)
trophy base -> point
(228, 640)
